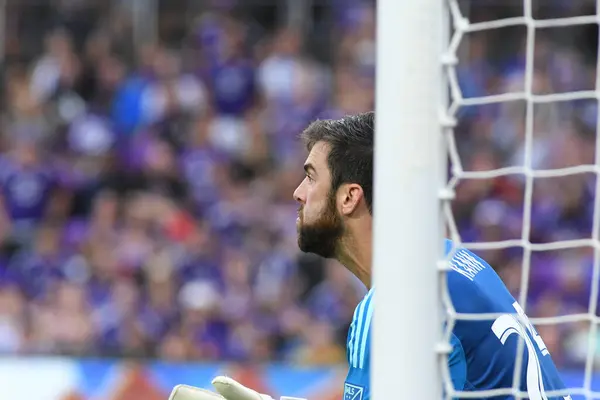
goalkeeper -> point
(335, 221)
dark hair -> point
(350, 158)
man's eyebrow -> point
(308, 167)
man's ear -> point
(349, 198)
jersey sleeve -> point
(457, 364)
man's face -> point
(319, 224)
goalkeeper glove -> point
(227, 388)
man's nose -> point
(299, 193)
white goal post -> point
(409, 174)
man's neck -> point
(356, 255)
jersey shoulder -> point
(473, 284)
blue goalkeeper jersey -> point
(484, 351)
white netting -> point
(551, 91)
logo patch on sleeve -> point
(353, 392)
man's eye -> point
(310, 179)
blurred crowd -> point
(146, 187)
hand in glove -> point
(227, 388)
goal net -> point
(519, 127)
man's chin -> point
(318, 248)
(302, 245)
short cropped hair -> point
(350, 158)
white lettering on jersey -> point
(465, 264)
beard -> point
(322, 236)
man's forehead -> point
(318, 155)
